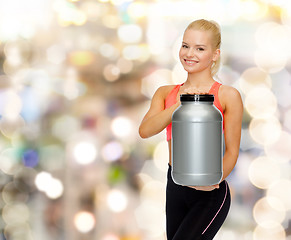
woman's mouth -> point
(190, 62)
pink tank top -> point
(171, 100)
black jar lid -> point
(197, 98)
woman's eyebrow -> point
(197, 45)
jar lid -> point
(197, 98)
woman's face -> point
(196, 53)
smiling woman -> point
(204, 41)
(191, 211)
(197, 53)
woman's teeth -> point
(190, 61)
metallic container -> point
(197, 141)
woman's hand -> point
(188, 90)
(183, 91)
(205, 188)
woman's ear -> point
(216, 55)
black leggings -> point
(193, 214)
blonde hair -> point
(214, 28)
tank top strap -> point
(169, 101)
(171, 97)
(214, 88)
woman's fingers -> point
(193, 91)
(205, 188)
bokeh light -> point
(268, 35)
(122, 127)
(265, 131)
(56, 54)
(120, 2)
(281, 190)
(287, 119)
(84, 221)
(263, 172)
(124, 65)
(136, 52)
(138, 9)
(280, 151)
(267, 216)
(130, 33)
(69, 14)
(27, 18)
(52, 157)
(276, 231)
(117, 200)
(158, 78)
(52, 187)
(42, 180)
(281, 88)
(81, 58)
(11, 127)
(153, 191)
(30, 158)
(270, 62)
(145, 213)
(85, 152)
(108, 50)
(260, 102)
(254, 77)
(161, 156)
(111, 21)
(55, 189)
(112, 151)
(15, 213)
(252, 10)
(9, 163)
(286, 12)
(65, 126)
(11, 193)
(110, 236)
(111, 72)
(12, 104)
(18, 231)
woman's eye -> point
(200, 49)
(184, 46)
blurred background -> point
(76, 78)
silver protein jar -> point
(197, 141)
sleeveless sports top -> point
(171, 100)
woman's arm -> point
(233, 112)
(157, 118)
(233, 109)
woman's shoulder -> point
(229, 91)
(165, 90)
(229, 94)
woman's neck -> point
(197, 80)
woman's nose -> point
(190, 53)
